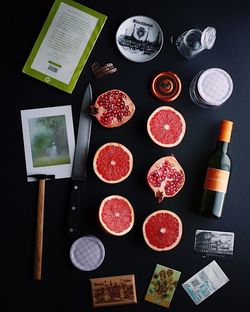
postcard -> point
(64, 44)
(162, 286)
(214, 243)
(49, 141)
(204, 283)
(113, 290)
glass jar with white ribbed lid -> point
(194, 41)
(211, 88)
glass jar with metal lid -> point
(210, 88)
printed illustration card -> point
(49, 141)
(204, 283)
(113, 290)
(64, 44)
(214, 243)
(162, 285)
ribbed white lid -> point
(208, 37)
(87, 253)
(215, 86)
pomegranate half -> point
(166, 177)
(113, 108)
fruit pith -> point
(116, 215)
(162, 230)
(113, 162)
(166, 126)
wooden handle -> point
(39, 231)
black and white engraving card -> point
(214, 243)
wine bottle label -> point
(216, 180)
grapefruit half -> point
(162, 230)
(166, 126)
(116, 215)
(113, 162)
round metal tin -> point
(87, 253)
(166, 86)
(139, 38)
(215, 86)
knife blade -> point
(80, 163)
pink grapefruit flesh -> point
(166, 126)
(113, 162)
(116, 215)
(162, 230)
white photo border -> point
(60, 171)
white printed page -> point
(64, 43)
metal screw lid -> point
(166, 86)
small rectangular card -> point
(204, 283)
(214, 243)
(162, 286)
(49, 141)
(64, 44)
(113, 290)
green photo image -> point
(162, 286)
(49, 142)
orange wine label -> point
(216, 180)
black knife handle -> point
(74, 210)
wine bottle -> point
(217, 176)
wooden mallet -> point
(39, 224)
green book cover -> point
(64, 44)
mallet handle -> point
(39, 231)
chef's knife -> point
(80, 163)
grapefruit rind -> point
(130, 165)
(175, 243)
(152, 135)
(103, 224)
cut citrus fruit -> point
(162, 230)
(113, 162)
(166, 126)
(116, 215)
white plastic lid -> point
(215, 86)
(87, 253)
(208, 37)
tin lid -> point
(166, 86)
(215, 86)
(87, 253)
(208, 37)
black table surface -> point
(63, 287)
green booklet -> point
(64, 44)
